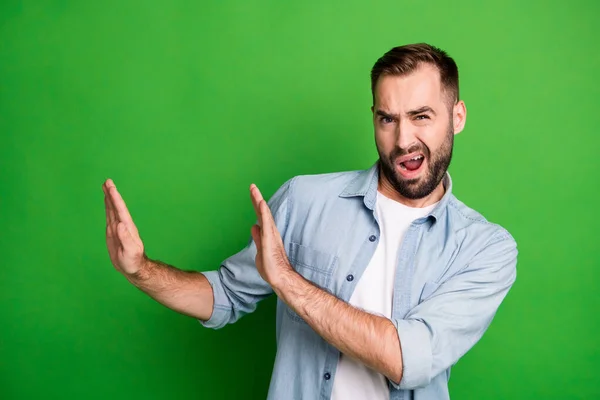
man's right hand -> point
(125, 247)
(187, 292)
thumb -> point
(130, 247)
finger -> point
(263, 212)
(106, 186)
(110, 212)
(121, 209)
(268, 220)
(256, 198)
(255, 231)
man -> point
(384, 279)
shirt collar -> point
(365, 185)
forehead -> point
(422, 87)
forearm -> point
(371, 339)
(187, 292)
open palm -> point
(125, 247)
(271, 259)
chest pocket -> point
(314, 265)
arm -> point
(436, 333)
(186, 292)
(369, 338)
(409, 351)
(366, 337)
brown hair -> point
(403, 60)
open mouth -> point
(411, 165)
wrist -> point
(283, 281)
(143, 272)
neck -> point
(385, 187)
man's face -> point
(414, 130)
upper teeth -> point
(416, 158)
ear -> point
(459, 116)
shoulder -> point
(467, 222)
(320, 187)
(482, 245)
(308, 190)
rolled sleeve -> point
(441, 329)
(416, 354)
(221, 311)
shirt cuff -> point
(415, 342)
(221, 313)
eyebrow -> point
(382, 113)
(421, 110)
(411, 113)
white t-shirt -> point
(373, 293)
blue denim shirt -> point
(454, 269)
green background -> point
(185, 104)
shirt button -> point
(327, 376)
(372, 238)
(350, 278)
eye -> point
(386, 120)
(422, 117)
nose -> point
(405, 135)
